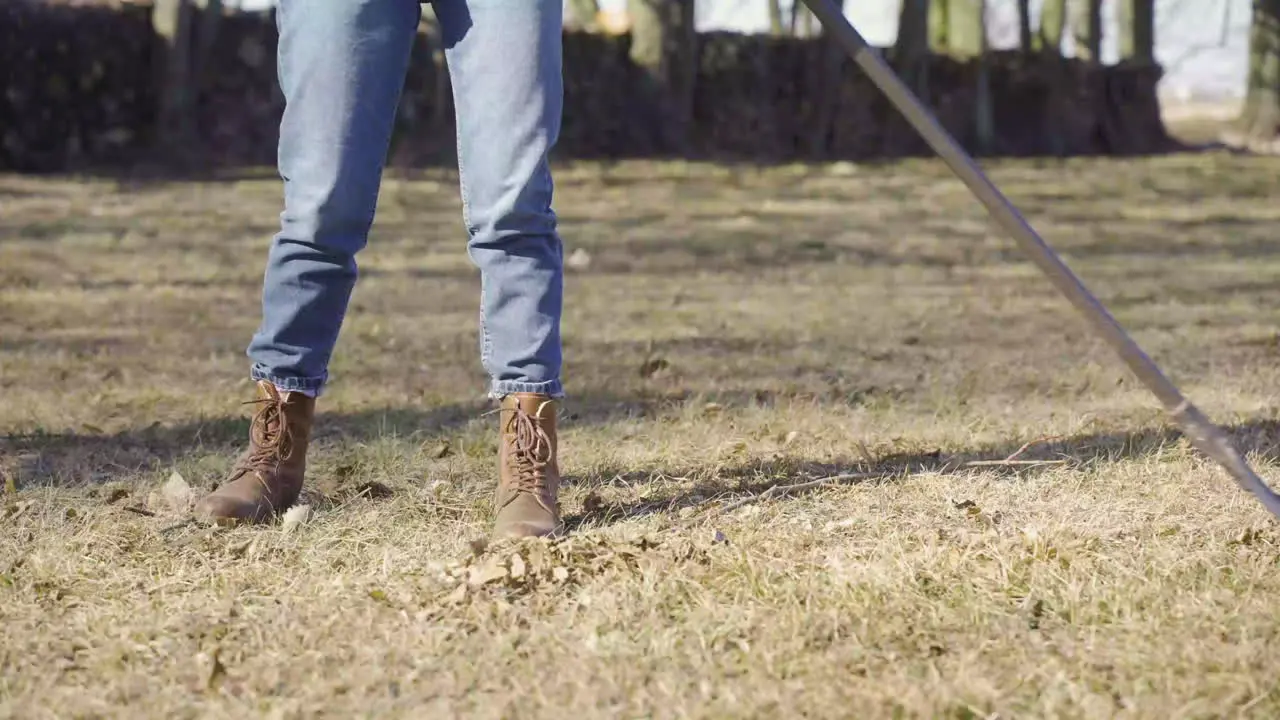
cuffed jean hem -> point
(502, 388)
(309, 385)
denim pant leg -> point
(504, 61)
(341, 65)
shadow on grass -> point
(793, 477)
(63, 459)
(75, 459)
(69, 459)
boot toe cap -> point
(528, 528)
(220, 510)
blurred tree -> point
(1137, 21)
(581, 14)
(664, 49)
(983, 104)
(1053, 15)
(1258, 127)
(776, 25)
(803, 22)
(1086, 29)
(172, 20)
(911, 49)
(958, 27)
(206, 32)
(828, 81)
(1025, 41)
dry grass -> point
(735, 329)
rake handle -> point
(1207, 437)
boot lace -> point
(530, 453)
(269, 436)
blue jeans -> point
(342, 65)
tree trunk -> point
(1053, 16)
(809, 21)
(683, 71)
(829, 77)
(1258, 127)
(1137, 21)
(984, 112)
(959, 28)
(581, 14)
(911, 49)
(663, 49)
(1025, 41)
(647, 37)
(206, 36)
(776, 26)
(938, 30)
(793, 20)
(1086, 29)
(171, 20)
(964, 27)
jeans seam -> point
(462, 184)
(486, 343)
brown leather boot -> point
(529, 475)
(267, 477)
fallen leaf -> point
(240, 548)
(115, 494)
(1249, 536)
(294, 517)
(177, 493)
(374, 491)
(517, 566)
(579, 259)
(15, 510)
(491, 571)
(840, 524)
(537, 558)
(217, 671)
(652, 366)
(560, 574)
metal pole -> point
(1207, 437)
